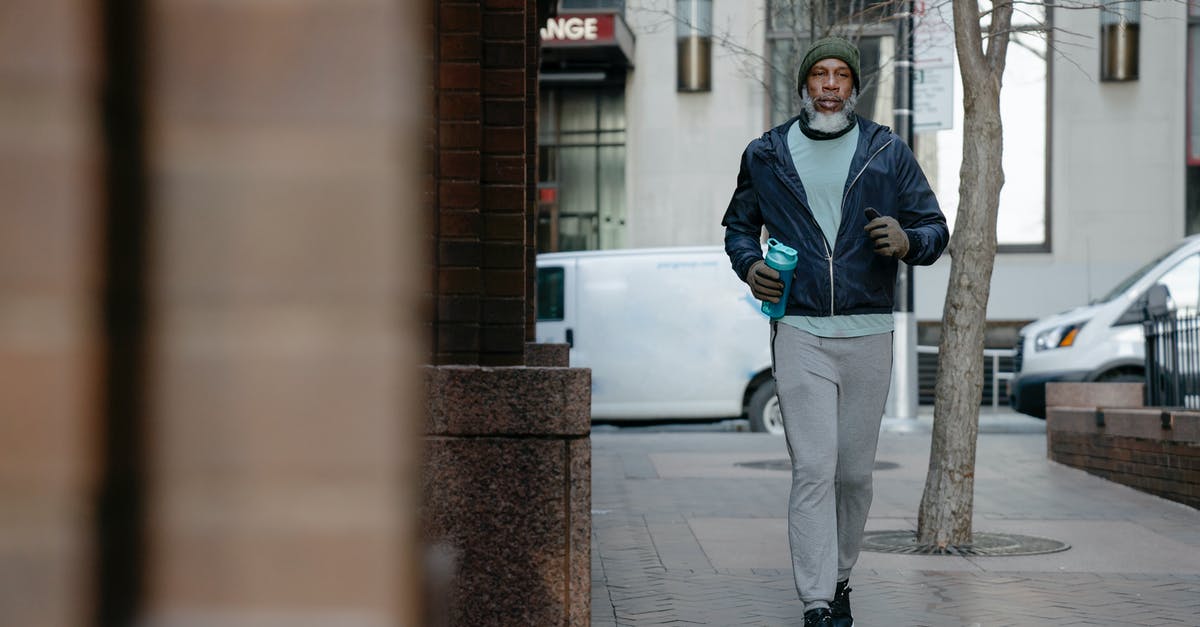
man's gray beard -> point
(828, 122)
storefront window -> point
(581, 177)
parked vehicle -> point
(668, 333)
(1102, 341)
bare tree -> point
(945, 514)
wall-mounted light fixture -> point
(693, 39)
(1120, 21)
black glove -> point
(764, 282)
(890, 239)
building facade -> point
(1118, 166)
(1101, 173)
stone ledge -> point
(547, 355)
(1094, 395)
(1145, 423)
(511, 401)
(1074, 419)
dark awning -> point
(586, 47)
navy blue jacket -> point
(844, 276)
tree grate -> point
(786, 465)
(985, 544)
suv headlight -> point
(1058, 337)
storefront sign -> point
(933, 68)
(578, 29)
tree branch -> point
(998, 36)
(1041, 54)
(968, 39)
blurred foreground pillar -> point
(50, 256)
(282, 416)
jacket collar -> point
(774, 150)
(871, 137)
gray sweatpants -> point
(832, 393)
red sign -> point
(579, 29)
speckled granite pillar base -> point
(507, 487)
(547, 355)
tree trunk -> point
(944, 518)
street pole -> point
(902, 400)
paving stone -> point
(648, 568)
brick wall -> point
(1169, 469)
(532, 63)
(482, 171)
(1103, 428)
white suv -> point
(1102, 341)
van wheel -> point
(765, 416)
(1121, 376)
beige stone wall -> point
(210, 258)
(282, 250)
(49, 309)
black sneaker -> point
(819, 617)
(840, 605)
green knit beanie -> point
(829, 48)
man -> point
(849, 196)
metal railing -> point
(995, 355)
(1172, 356)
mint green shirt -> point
(824, 166)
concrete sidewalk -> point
(682, 534)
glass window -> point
(792, 25)
(874, 98)
(581, 172)
(1120, 23)
(1135, 277)
(813, 20)
(1022, 223)
(550, 305)
(1183, 282)
(693, 46)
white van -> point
(1102, 341)
(668, 333)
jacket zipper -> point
(828, 248)
(829, 258)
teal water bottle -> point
(783, 259)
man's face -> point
(830, 82)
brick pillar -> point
(505, 163)
(532, 65)
(284, 248)
(457, 167)
(508, 456)
(49, 309)
(480, 172)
